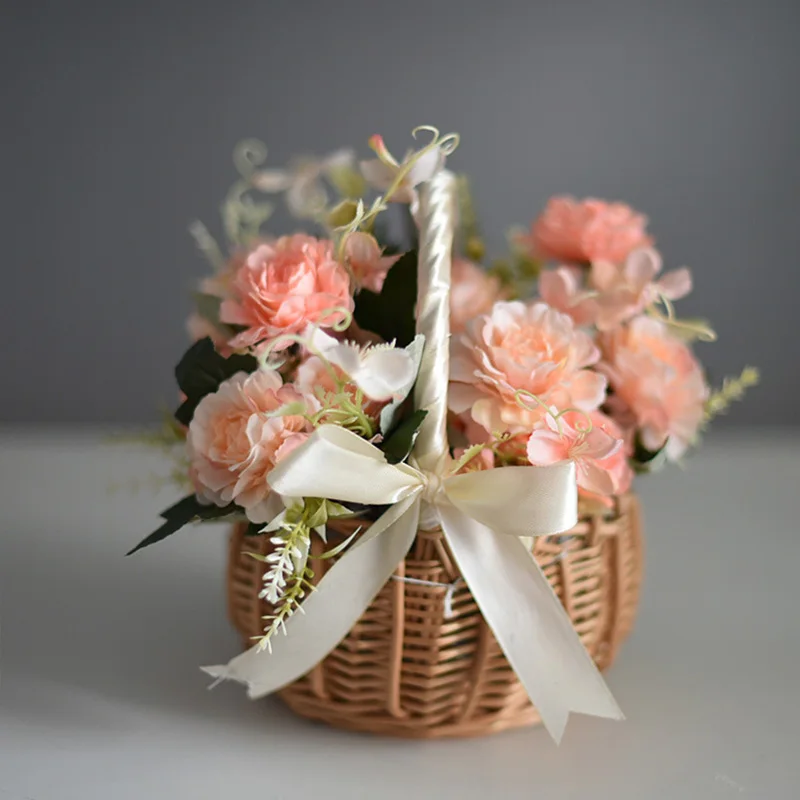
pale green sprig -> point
(288, 578)
(732, 390)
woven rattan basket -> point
(408, 668)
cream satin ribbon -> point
(483, 516)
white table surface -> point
(100, 695)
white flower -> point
(381, 371)
(381, 172)
(306, 196)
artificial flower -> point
(235, 439)
(582, 231)
(366, 260)
(381, 371)
(383, 171)
(562, 288)
(623, 291)
(572, 436)
(656, 381)
(472, 292)
(283, 287)
(520, 348)
(616, 465)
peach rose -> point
(233, 443)
(582, 231)
(472, 292)
(656, 381)
(284, 286)
(531, 348)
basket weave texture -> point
(408, 668)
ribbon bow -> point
(482, 516)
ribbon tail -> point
(331, 611)
(529, 622)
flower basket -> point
(410, 669)
(428, 456)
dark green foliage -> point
(397, 446)
(182, 513)
(200, 372)
(390, 314)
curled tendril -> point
(264, 353)
(695, 329)
(248, 155)
(522, 395)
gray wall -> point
(119, 118)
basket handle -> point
(437, 221)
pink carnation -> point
(573, 437)
(582, 231)
(233, 443)
(625, 290)
(473, 292)
(284, 286)
(528, 348)
(656, 381)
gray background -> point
(118, 121)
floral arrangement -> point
(567, 349)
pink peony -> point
(656, 381)
(582, 231)
(284, 286)
(563, 289)
(626, 290)
(367, 262)
(233, 442)
(473, 292)
(573, 437)
(532, 348)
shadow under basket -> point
(409, 668)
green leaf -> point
(390, 314)
(399, 445)
(200, 372)
(182, 513)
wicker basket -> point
(408, 668)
